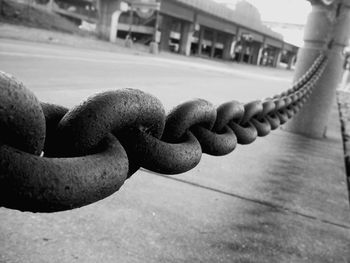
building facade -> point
(189, 27)
(199, 27)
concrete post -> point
(165, 34)
(327, 28)
(261, 49)
(243, 50)
(291, 60)
(187, 30)
(277, 58)
(255, 48)
(200, 41)
(154, 46)
(128, 40)
(213, 43)
(234, 43)
(106, 8)
(114, 26)
(229, 41)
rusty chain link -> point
(90, 150)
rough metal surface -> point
(84, 126)
(22, 122)
(263, 126)
(163, 157)
(29, 182)
(228, 111)
(213, 143)
(186, 115)
(53, 114)
(245, 134)
(251, 109)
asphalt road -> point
(66, 75)
(281, 199)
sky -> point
(283, 11)
(288, 11)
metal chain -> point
(90, 150)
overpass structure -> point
(189, 27)
(197, 27)
(83, 10)
(76, 10)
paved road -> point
(66, 76)
(281, 199)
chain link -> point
(90, 150)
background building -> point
(189, 27)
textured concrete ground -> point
(281, 199)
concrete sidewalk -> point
(296, 211)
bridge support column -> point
(327, 29)
(291, 60)
(154, 45)
(114, 26)
(228, 47)
(106, 8)
(165, 33)
(255, 49)
(187, 30)
(277, 58)
(213, 43)
(200, 40)
(260, 53)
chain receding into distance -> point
(54, 159)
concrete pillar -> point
(165, 33)
(200, 40)
(327, 29)
(114, 26)
(154, 45)
(277, 58)
(213, 43)
(106, 8)
(255, 49)
(234, 44)
(261, 50)
(187, 30)
(243, 49)
(291, 60)
(228, 47)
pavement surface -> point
(281, 199)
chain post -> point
(327, 29)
